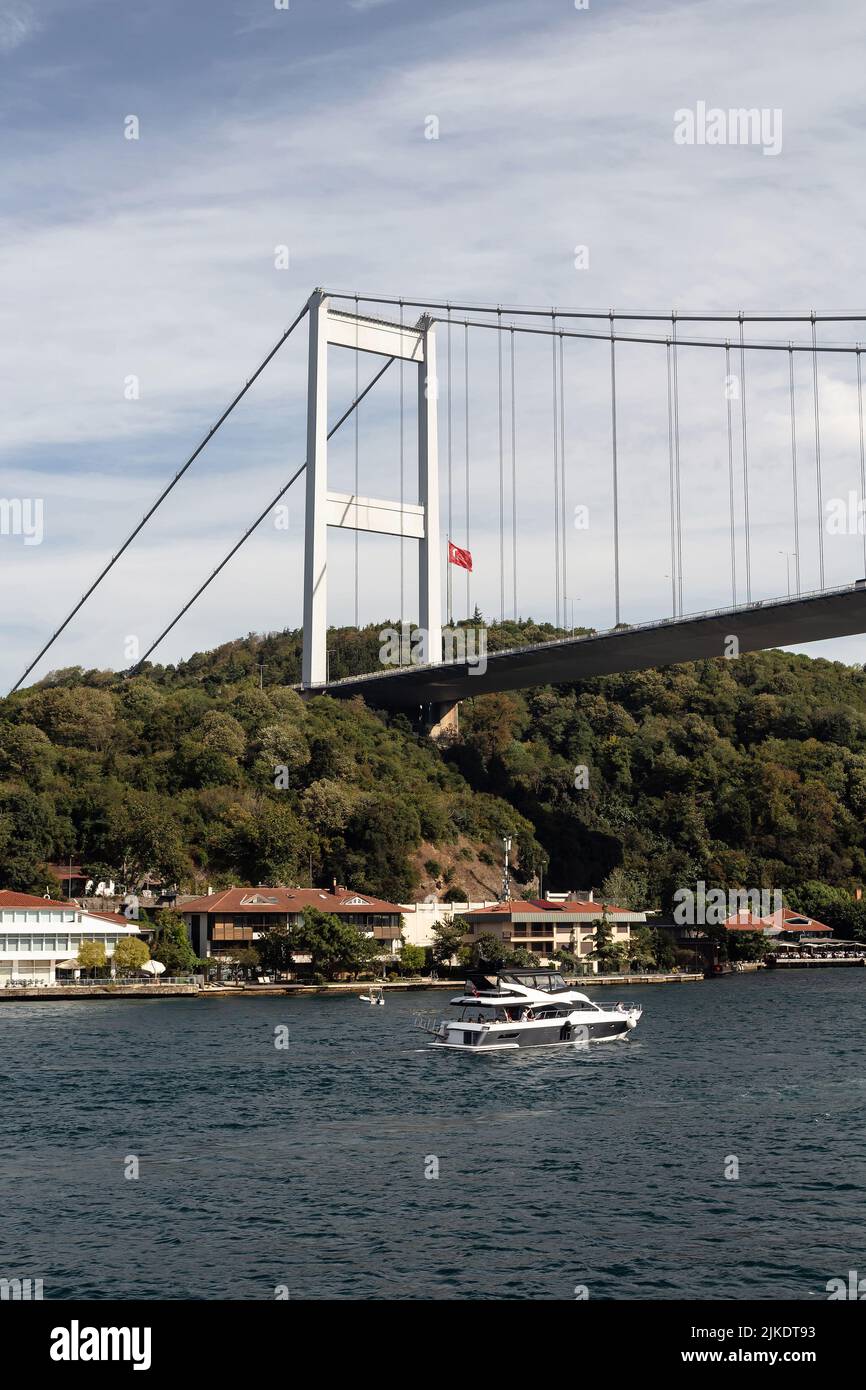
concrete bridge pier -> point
(441, 720)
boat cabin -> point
(547, 981)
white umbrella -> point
(67, 965)
(153, 967)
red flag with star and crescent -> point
(456, 556)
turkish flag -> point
(456, 556)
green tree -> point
(275, 950)
(248, 961)
(91, 956)
(130, 954)
(625, 888)
(747, 946)
(171, 944)
(663, 949)
(522, 958)
(603, 949)
(447, 939)
(412, 958)
(642, 947)
(334, 946)
(140, 834)
(489, 951)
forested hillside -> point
(750, 772)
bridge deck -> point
(771, 623)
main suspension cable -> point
(546, 311)
(653, 339)
(161, 498)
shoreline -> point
(361, 986)
(70, 993)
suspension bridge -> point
(760, 452)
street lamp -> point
(506, 880)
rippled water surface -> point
(305, 1167)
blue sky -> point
(305, 127)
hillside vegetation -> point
(750, 772)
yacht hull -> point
(557, 1034)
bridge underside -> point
(773, 623)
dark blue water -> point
(305, 1167)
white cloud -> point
(18, 23)
(156, 258)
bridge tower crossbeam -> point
(345, 511)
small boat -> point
(516, 1009)
(375, 996)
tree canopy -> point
(747, 772)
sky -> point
(143, 280)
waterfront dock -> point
(98, 990)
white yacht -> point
(517, 1009)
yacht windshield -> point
(548, 980)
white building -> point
(419, 919)
(37, 933)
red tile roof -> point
(785, 918)
(279, 900)
(10, 899)
(745, 921)
(788, 919)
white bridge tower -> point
(325, 508)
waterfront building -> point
(419, 919)
(784, 923)
(544, 927)
(38, 933)
(225, 923)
